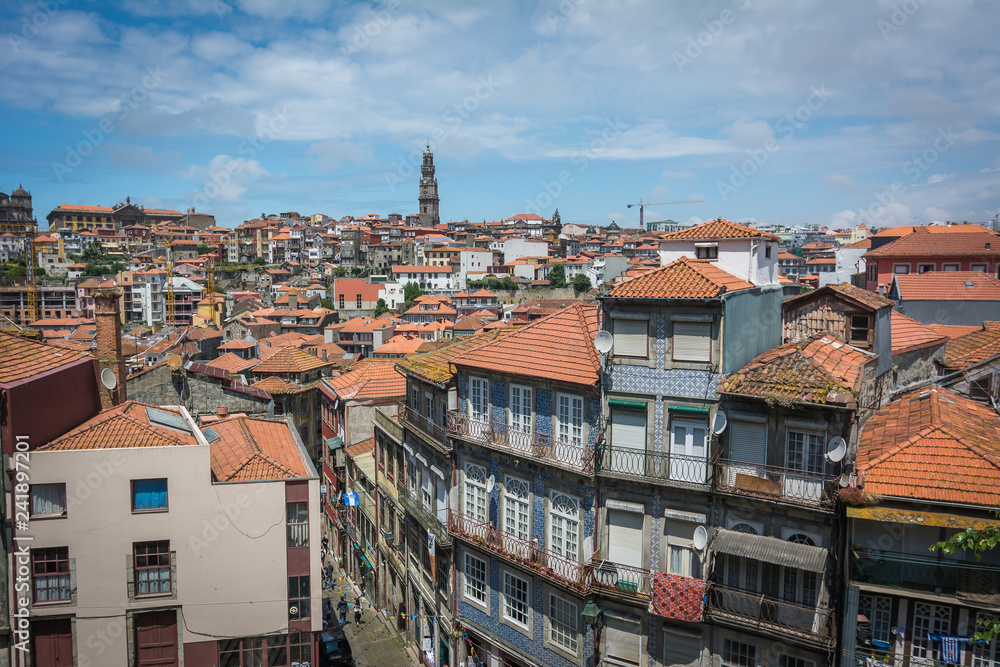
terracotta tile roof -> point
(556, 347)
(970, 349)
(370, 379)
(21, 358)
(862, 297)
(290, 360)
(924, 243)
(863, 243)
(909, 335)
(254, 449)
(237, 344)
(123, 426)
(360, 448)
(682, 279)
(948, 286)
(952, 330)
(400, 344)
(720, 228)
(903, 230)
(436, 367)
(819, 369)
(231, 363)
(934, 445)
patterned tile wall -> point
(543, 411)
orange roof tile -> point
(682, 279)
(123, 426)
(370, 379)
(290, 360)
(556, 347)
(436, 367)
(933, 444)
(862, 297)
(819, 369)
(948, 286)
(909, 335)
(400, 345)
(360, 448)
(231, 363)
(237, 344)
(720, 228)
(254, 449)
(953, 330)
(924, 243)
(21, 358)
(970, 349)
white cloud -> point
(225, 178)
(939, 178)
(840, 181)
(332, 154)
(934, 214)
(678, 174)
(749, 134)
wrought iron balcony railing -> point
(428, 519)
(783, 484)
(416, 420)
(949, 577)
(577, 457)
(642, 464)
(748, 608)
(622, 579)
(527, 554)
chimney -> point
(109, 345)
(293, 300)
(222, 412)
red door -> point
(156, 639)
(53, 642)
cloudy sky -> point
(796, 112)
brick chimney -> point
(109, 344)
(293, 300)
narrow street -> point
(372, 642)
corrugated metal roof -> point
(770, 550)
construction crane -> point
(171, 319)
(27, 230)
(642, 207)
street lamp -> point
(592, 615)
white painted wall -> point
(743, 258)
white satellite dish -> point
(604, 341)
(837, 450)
(700, 538)
(720, 422)
(845, 481)
(108, 379)
(490, 483)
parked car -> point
(334, 649)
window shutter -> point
(631, 337)
(628, 429)
(625, 538)
(623, 641)
(692, 341)
(681, 651)
(748, 442)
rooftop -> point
(682, 279)
(370, 379)
(130, 424)
(972, 348)
(21, 358)
(290, 359)
(948, 286)
(862, 297)
(436, 367)
(909, 335)
(254, 449)
(925, 243)
(720, 228)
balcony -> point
(388, 424)
(966, 580)
(633, 583)
(416, 509)
(524, 553)
(760, 612)
(779, 484)
(644, 465)
(530, 445)
(431, 431)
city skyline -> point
(883, 113)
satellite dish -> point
(700, 538)
(837, 450)
(604, 341)
(174, 361)
(108, 379)
(720, 422)
(490, 483)
(845, 481)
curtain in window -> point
(48, 499)
(150, 494)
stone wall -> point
(162, 386)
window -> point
(901, 268)
(878, 611)
(569, 419)
(707, 252)
(152, 567)
(520, 408)
(985, 654)
(415, 398)
(692, 341)
(149, 495)
(924, 268)
(359, 301)
(977, 267)
(475, 492)
(341, 300)
(928, 618)
(50, 574)
(623, 640)
(247, 651)
(688, 450)
(738, 654)
(789, 661)
(563, 616)
(298, 598)
(515, 599)
(564, 526)
(298, 524)
(299, 648)
(980, 387)
(475, 578)
(515, 504)
(478, 401)
(48, 500)
(949, 267)
(859, 329)
(805, 452)
(682, 558)
(631, 338)
(767, 251)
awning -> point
(770, 550)
(335, 443)
(936, 519)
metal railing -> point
(622, 579)
(428, 519)
(644, 465)
(901, 570)
(528, 444)
(761, 611)
(525, 553)
(417, 420)
(784, 484)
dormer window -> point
(706, 250)
(859, 331)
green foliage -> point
(259, 261)
(381, 308)
(341, 271)
(557, 276)
(96, 269)
(581, 283)
(356, 271)
(202, 248)
(508, 284)
(117, 266)
(327, 303)
(412, 291)
(978, 542)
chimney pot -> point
(222, 412)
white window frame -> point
(926, 268)
(809, 457)
(473, 584)
(474, 492)
(563, 624)
(521, 419)
(516, 509)
(561, 521)
(480, 386)
(509, 601)
(878, 610)
(570, 419)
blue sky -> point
(797, 112)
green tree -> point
(557, 276)
(410, 294)
(117, 266)
(259, 261)
(508, 284)
(581, 283)
(381, 308)
(978, 542)
(202, 248)
(341, 271)
(327, 303)
(93, 269)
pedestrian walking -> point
(342, 610)
(357, 612)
